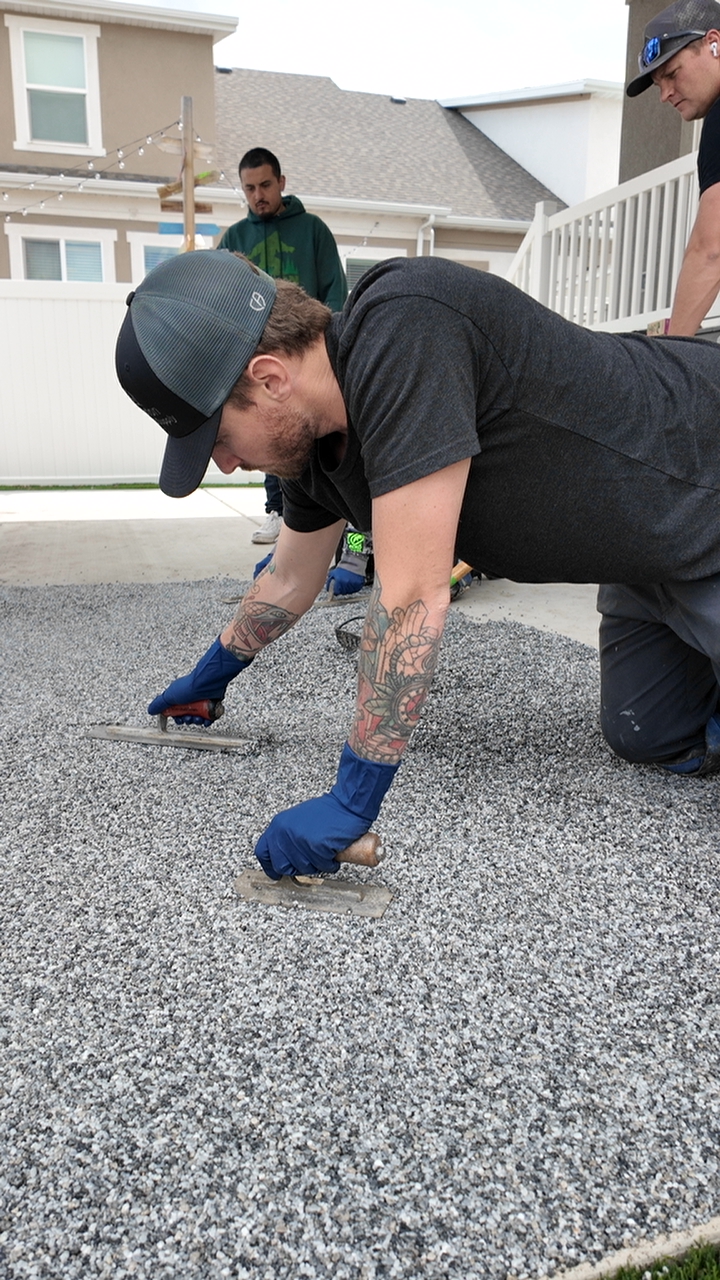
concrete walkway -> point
(87, 536)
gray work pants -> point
(660, 669)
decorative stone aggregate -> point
(514, 1071)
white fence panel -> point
(64, 419)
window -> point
(61, 253)
(149, 248)
(56, 90)
(355, 267)
(154, 256)
(62, 260)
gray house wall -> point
(652, 134)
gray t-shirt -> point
(595, 457)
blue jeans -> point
(273, 495)
(660, 670)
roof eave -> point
(573, 89)
(134, 15)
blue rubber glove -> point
(209, 679)
(344, 582)
(262, 564)
(304, 840)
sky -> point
(427, 48)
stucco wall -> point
(571, 144)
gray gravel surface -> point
(515, 1070)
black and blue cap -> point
(669, 32)
(190, 331)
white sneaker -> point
(269, 529)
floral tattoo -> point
(398, 656)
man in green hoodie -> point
(289, 244)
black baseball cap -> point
(668, 33)
(190, 331)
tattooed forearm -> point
(398, 656)
(257, 623)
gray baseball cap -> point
(669, 32)
(190, 331)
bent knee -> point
(647, 742)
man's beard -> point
(292, 437)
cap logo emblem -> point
(257, 302)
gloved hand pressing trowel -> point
(208, 681)
(305, 839)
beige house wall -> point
(143, 75)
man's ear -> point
(270, 375)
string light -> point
(115, 159)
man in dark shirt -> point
(458, 419)
(681, 55)
(282, 238)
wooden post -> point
(188, 175)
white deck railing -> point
(612, 262)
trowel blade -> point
(198, 741)
(338, 897)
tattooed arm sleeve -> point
(414, 533)
(398, 656)
(284, 590)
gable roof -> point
(365, 146)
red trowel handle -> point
(362, 852)
(209, 709)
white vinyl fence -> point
(64, 419)
(612, 262)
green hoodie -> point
(294, 245)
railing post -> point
(539, 282)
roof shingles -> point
(364, 146)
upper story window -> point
(56, 91)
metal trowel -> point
(182, 736)
(315, 893)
